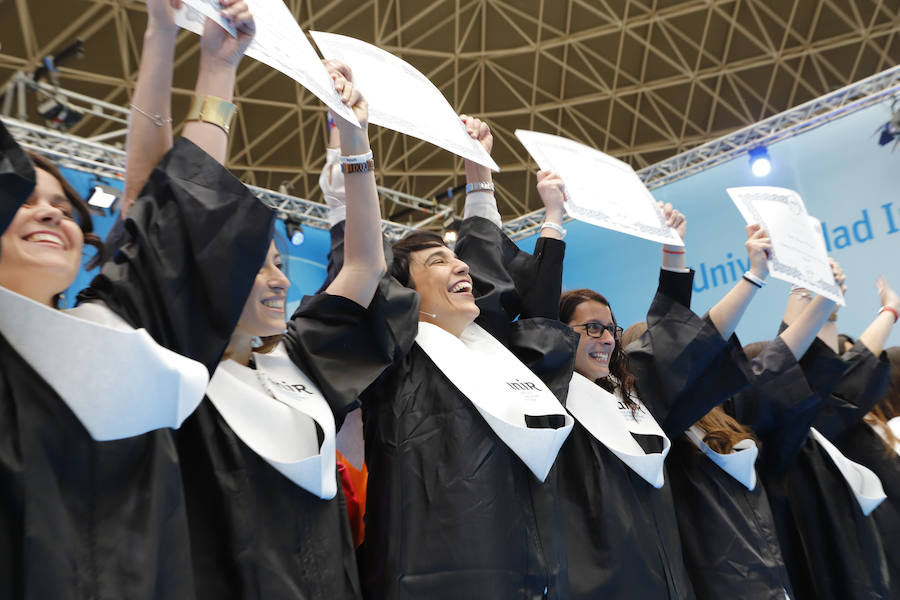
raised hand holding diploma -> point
(401, 98)
(600, 190)
(798, 253)
(279, 43)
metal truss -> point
(108, 162)
(642, 80)
(805, 117)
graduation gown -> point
(257, 534)
(727, 531)
(831, 549)
(88, 519)
(861, 443)
(622, 533)
(253, 532)
(451, 511)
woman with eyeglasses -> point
(620, 524)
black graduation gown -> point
(622, 533)
(830, 548)
(451, 511)
(255, 534)
(85, 519)
(860, 443)
(727, 531)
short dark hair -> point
(78, 205)
(417, 240)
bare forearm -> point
(149, 137)
(727, 313)
(877, 332)
(806, 322)
(364, 262)
(215, 78)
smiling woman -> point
(42, 249)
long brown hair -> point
(889, 406)
(622, 379)
(723, 432)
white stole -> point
(504, 391)
(117, 380)
(864, 484)
(281, 430)
(740, 463)
(598, 411)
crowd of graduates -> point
(174, 435)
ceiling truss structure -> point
(862, 94)
(643, 80)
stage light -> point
(890, 131)
(451, 229)
(759, 161)
(294, 230)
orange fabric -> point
(354, 483)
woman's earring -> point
(256, 342)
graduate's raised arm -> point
(674, 257)
(149, 134)
(150, 122)
(364, 262)
(726, 314)
(807, 317)
(879, 329)
(211, 114)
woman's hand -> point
(479, 131)
(674, 219)
(218, 47)
(886, 294)
(552, 191)
(759, 250)
(161, 14)
(353, 139)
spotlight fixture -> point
(759, 161)
(451, 230)
(104, 198)
(890, 131)
(294, 230)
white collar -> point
(740, 463)
(601, 414)
(274, 409)
(117, 381)
(502, 389)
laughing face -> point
(445, 288)
(41, 249)
(263, 313)
(593, 354)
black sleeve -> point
(196, 237)
(864, 382)
(547, 347)
(682, 364)
(345, 347)
(780, 406)
(17, 178)
(509, 282)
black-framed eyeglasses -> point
(595, 330)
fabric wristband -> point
(750, 277)
(357, 159)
